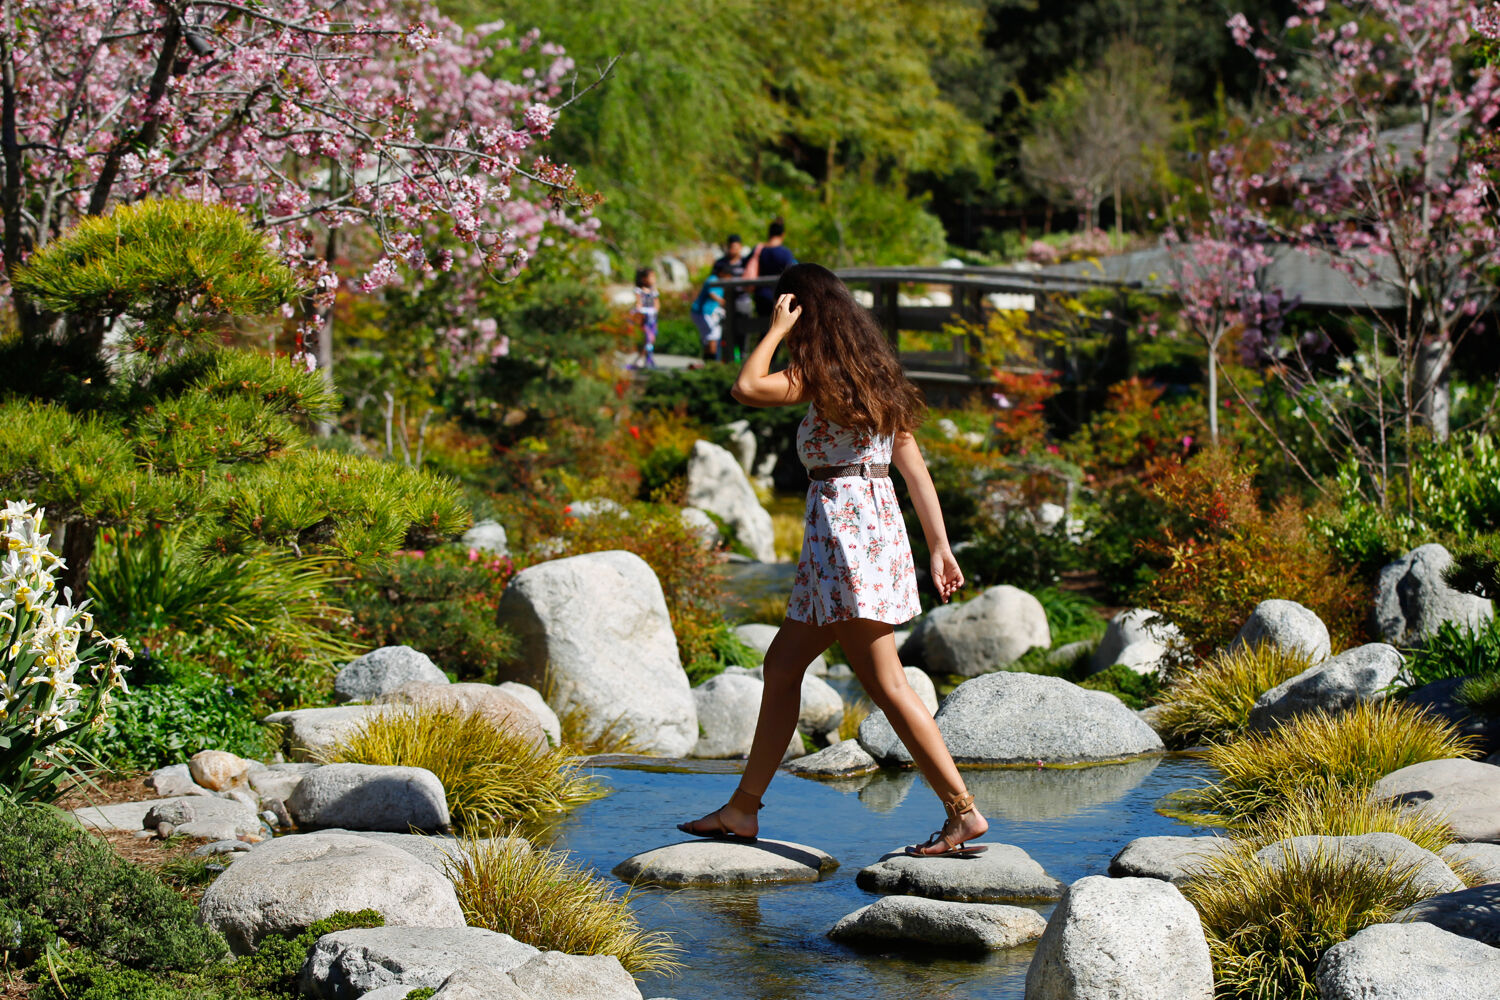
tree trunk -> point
(1433, 402)
(78, 541)
(1213, 394)
(1119, 215)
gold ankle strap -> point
(744, 801)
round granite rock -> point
(703, 863)
(1000, 874)
(1171, 859)
(1408, 962)
(845, 759)
(938, 923)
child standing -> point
(708, 311)
(647, 301)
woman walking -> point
(855, 578)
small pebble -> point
(164, 830)
(144, 834)
(221, 847)
(270, 818)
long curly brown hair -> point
(842, 357)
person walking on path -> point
(769, 260)
(708, 311)
(647, 307)
(734, 259)
(855, 577)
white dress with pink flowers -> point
(856, 560)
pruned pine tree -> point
(161, 424)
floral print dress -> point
(856, 560)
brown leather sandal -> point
(741, 800)
(954, 807)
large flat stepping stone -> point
(1408, 962)
(1001, 874)
(349, 964)
(1171, 859)
(914, 920)
(700, 863)
(1471, 913)
(1465, 794)
(845, 759)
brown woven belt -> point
(865, 470)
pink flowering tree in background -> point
(373, 129)
(1376, 106)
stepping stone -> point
(939, 923)
(1001, 874)
(1471, 913)
(845, 759)
(701, 863)
(1171, 859)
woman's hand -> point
(785, 315)
(946, 575)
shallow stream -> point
(769, 943)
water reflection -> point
(1053, 792)
(887, 789)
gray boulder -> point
(435, 851)
(467, 984)
(289, 883)
(727, 706)
(1016, 718)
(279, 780)
(845, 759)
(700, 524)
(532, 700)
(937, 923)
(821, 707)
(116, 817)
(347, 965)
(1000, 874)
(598, 623)
(1477, 864)
(696, 863)
(984, 634)
(1471, 913)
(1126, 938)
(308, 732)
(370, 797)
(487, 536)
(1171, 859)
(1137, 638)
(924, 688)
(491, 701)
(1338, 683)
(1407, 962)
(1465, 794)
(173, 781)
(555, 976)
(758, 635)
(367, 677)
(716, 483)
(1412, 600)
(210, 818)
(742, 444)
(1378, 851)
(1287, 625)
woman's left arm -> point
(907, 457)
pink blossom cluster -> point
(312, 115)
(1486, 21)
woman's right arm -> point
(757, 385)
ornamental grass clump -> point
(1327, 809)
(547, 900)
(1268, 926)
(57, 672)
(491, 773)
(1263, 772)
(1211, 702)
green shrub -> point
(159, 724)
(1134, 689)
(269, 974)
(547, 900)
(1262, 772)
(95, 900)
(442, 602)
(1212, 701)
(1071, 616)
(1455, 650)
(1267, 927)
(491, 773)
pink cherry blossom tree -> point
(1376, 104)
(376, 125)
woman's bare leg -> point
(794, 647)
(871, 648)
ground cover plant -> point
(492, 775)
(1211, 700)
(1454, 650)
(1261, 772)
(547, 900)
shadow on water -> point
(769, 942)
